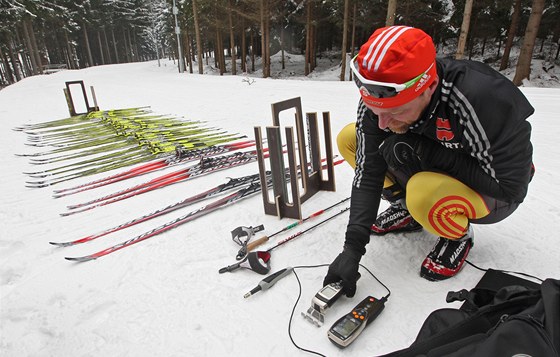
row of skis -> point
(103, 141)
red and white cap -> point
(397, 54)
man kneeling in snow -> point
(446, 142)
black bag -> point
(514, 321)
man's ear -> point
(433, 85)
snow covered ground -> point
(164, 296)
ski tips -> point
(61, 244)
(79, 259)
(38, 184)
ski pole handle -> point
(257, 243)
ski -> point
(205, 166)
(222, 188)
(181, 156)
(243, 193)
(253, 188)
(96, 170)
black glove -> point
(345, 268)
(405, 152)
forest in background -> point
(235, 36)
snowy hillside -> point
(164, 296)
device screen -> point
(346, 327)
(328, 292)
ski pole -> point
(243, 251)
(286, 240)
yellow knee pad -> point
(443, 205)
(346, 142)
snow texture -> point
(164, 296)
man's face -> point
(399, 119)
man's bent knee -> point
(443, 205)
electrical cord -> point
(505, 271)
(379, 281)
(299, 297)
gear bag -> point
(514, 320)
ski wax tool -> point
(259, 262)
(242, 235)
(346, 329)
(321, 302)
(269, 281)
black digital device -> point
(346, 329)
(327, 296)
(324, 298)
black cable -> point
(292, 315)
(299, 296)
(379, 281)
(505, 271)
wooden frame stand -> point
(70, 100)
(287, 198)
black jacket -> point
(479, 118)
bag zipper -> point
(536, 323)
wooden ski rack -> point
(70, 100)
(287, 200)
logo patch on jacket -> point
(443, 130)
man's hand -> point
(402, 151)
(345, 268)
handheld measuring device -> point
(322, 300)
(346, 329)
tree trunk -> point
(86, 44)
(313, 47)
(484, 45)
(263, 38)
(133, 53)
(100, 47)
(307, 38)
(106, 47)
(136, 48)
(391, 13)
(198, 41)
(464, 29)
(252, 51)
(13, 58)
(523, 69)
(344, 40)
(353, 41)
(499, 47)
(115, 45)
(472, 37)
(69, 52)
(9, 74)
(29, 47)
(35, 47)
(282, 46)
(267, 40)
(219, 51)
(243, 47)
(126, 46)
(187, 47)
(511, 34)
(232, 41)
